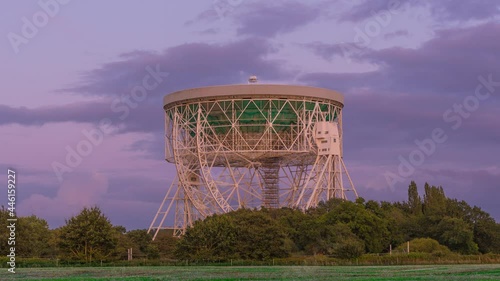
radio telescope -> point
(251, 146)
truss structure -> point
(235, 152)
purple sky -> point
(407, 68)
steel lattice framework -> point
(251, 146)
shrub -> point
(425, 245)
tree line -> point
(338, 228)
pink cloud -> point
(76, 192)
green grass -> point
(406, 272)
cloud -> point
(263, 18)
(328, 51)
(74, 112)
(76, 191)
(368, 8)
(398, 33)
(144, 118)
(450, 10)
(150, 190)
(273, 18)
(443, 11)
(404, 99)
(151, 147)
(440, 64)
(449, 63)
(133, 214)
(134, 200)
(188, 65)
(386, 109)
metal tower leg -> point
(162, 213)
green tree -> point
(362, 222)
(213, 238)
(89, 236)
(487, 236)
(4, 232)
(457, 235)
(33, 235)
(397, 223)
(54, 243)
(350, 248)
(310, 236)
(163, 246)
(325, 207)
(414, 201)
(316, 237)
(122, 244)
(141, 238)
(345, 244)
(243, 234)
(291, 221)
(434, 202)
(485, 229)
(259, 237)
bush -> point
(425, 245)
(350, 248)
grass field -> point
(419, 272)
